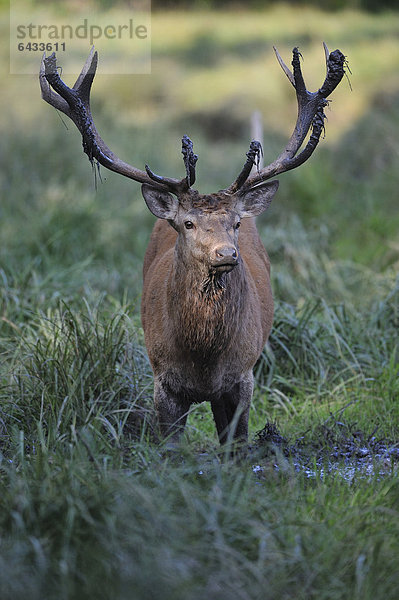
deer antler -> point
(75, 103)
(310, 115)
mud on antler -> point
(75, 103)
(310, 116)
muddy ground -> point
(332, 447)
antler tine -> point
(327, 54)
(48, 95)
(88, 72)
(286, 70)
(253, 158)
(310, 115)
(49, 76)
(75, 103)
(300, 86)
(190, 160)
(335, 72)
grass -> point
(91, 531)
(90, 504)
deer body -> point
(204, 336)
(207, 307)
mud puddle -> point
(340, 449)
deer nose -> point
(226, 255)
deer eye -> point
(237, 225)
(188, 224)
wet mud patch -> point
(333, 447)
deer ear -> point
(162, 204)
(257, 199)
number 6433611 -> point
(41, 46)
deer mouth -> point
(224, 266)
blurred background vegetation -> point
(328, 5)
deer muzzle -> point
(225, 258)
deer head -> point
(207, 225)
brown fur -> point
(204, 331)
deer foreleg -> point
(171, 410)
(231, 412)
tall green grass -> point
(79, 529)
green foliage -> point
(328, 5)
(79, 529)
(77, 371)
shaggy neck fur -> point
(205, 308)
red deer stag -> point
(207, 305)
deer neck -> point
(206, 308)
